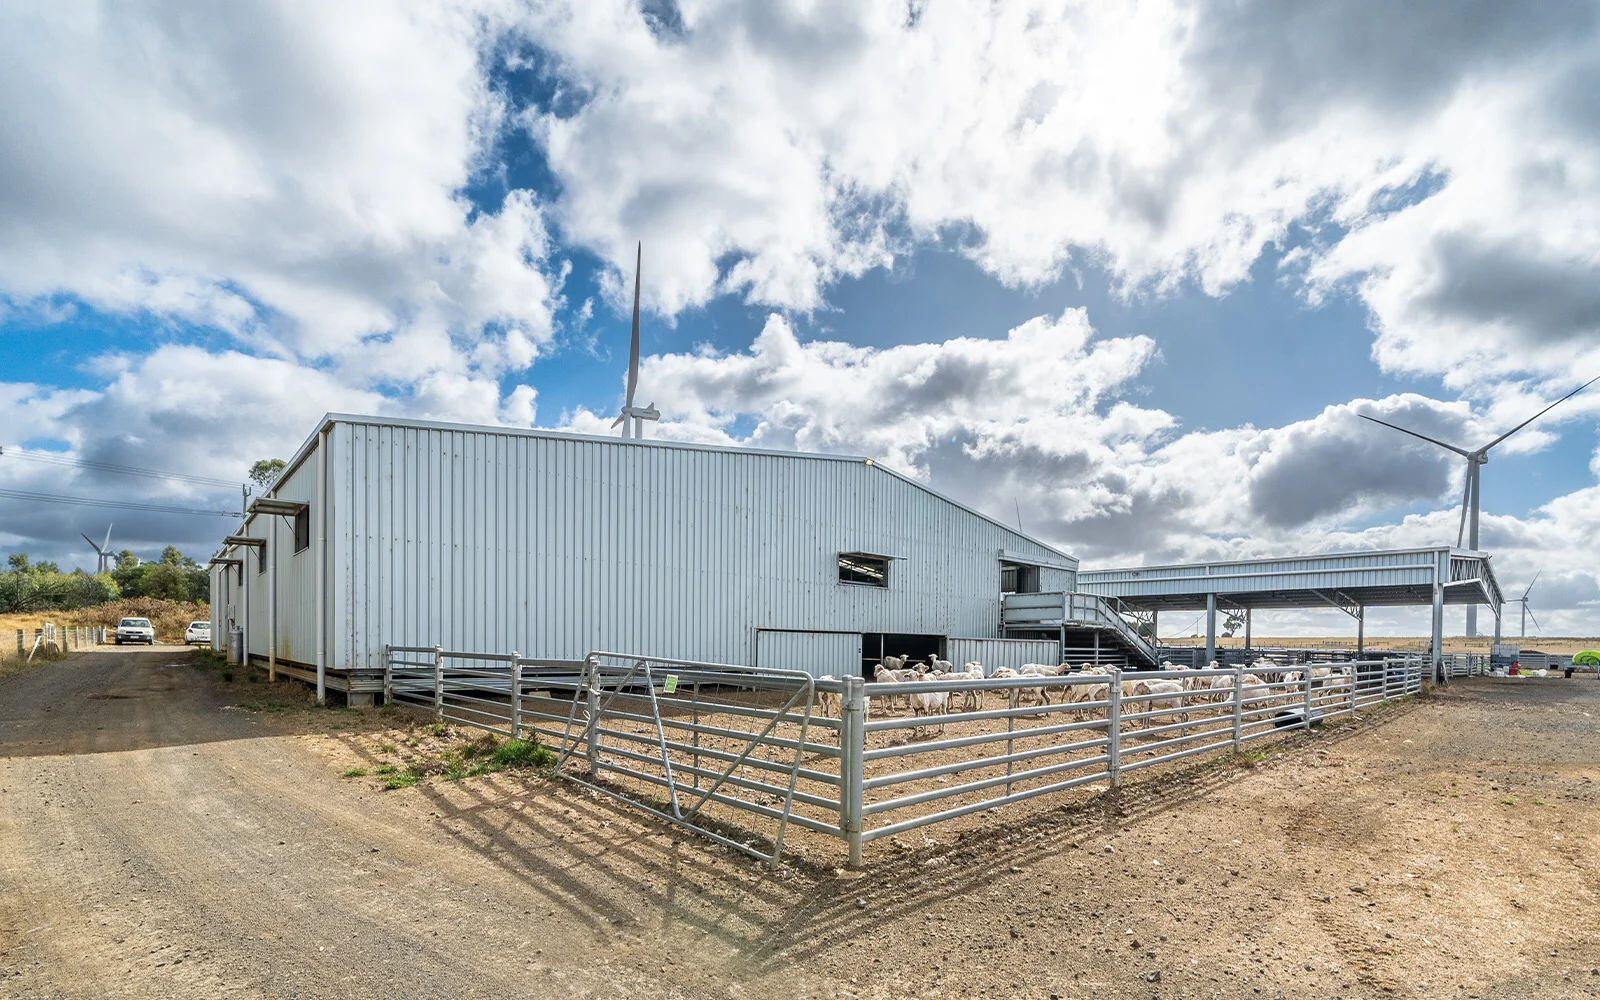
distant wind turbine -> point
(102, 551)
(632, 417)
(1527, 612)
(1468, 528)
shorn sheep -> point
(971, 700)
(885, 674)
(828, 701)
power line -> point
(153, 508)
(126, 470)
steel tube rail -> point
(917, 798)
(748, 783)
(979, 763)
(964, 810)
(757, 762)
(956, 742)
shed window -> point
(302, 530)
(861, 568)
(1017, 578)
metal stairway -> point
(1072, 616)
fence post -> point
(1307, 672)
(388, 675)
(438, 682)
(1238, 707)
(1355, 672)
(852, 767)
(1114, 727)
(592, 733)
(516, 695)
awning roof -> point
(245, 540)
(1379, 578)
(274, 506)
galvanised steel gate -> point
(688, 742)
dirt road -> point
(164, 832)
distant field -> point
(1560, 645)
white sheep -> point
(1163, 694)
(931, 703)
(888, 675)
(971, 699)
(828, 701)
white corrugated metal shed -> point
(497, 538)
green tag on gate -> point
(671, 685)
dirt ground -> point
(165, 832)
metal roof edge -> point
(1300, 557)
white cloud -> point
(768, 149)
(289, 174)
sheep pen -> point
(762, 760)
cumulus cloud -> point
(290, 175)
(1442, 161)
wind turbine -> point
(1476, 460)
(1527, 612)
(632, 417)
(102, 551)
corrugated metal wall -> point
(834, 654)
(994, 653)
(478, 539)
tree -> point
(265, 471)
(18, 561)
(1233, 623)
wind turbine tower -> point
(1476, 460)
(632, 417)
(104, 560)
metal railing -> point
(1071, 608)
(688, 742)
(708, 746)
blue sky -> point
(1143, 297)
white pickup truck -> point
(135, 630)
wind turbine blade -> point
(1535, 619)
(1541, 413)
(1466, 501)
(1449, 447)
(107, 543)
(92, 545)
(633, 342)
(1529, 588)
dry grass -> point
(170, 618)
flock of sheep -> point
(1261, 688)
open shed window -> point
(1018, 578)
(864, 569)
(302, 529)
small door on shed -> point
(836, 654)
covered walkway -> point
(1348, 581)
